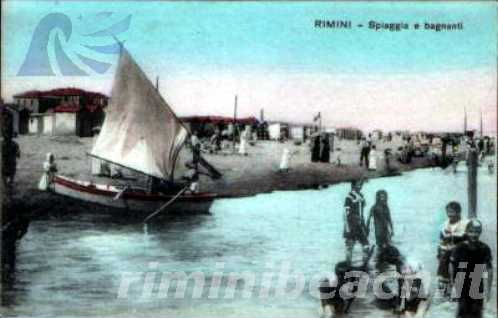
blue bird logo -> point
(76, 54)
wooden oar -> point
(164, 206)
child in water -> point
(382, 220)
(355, 230)
(452, 233)
(337, 294)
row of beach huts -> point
(74, 111)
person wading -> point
(332, 304)
(355, 229)
(474, 258)
(452, 233)
(412, 298)
(382, 220)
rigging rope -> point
(164, 206)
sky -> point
(271, 56)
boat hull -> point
(132, 200)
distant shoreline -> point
(243, 175)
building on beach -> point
(19, 118)
(301, 132)
(377, 135)
(329, 130)
(278, 130)
(297, 133)
(41, 123)
(205, 126)
(349, 133)
(61, 111)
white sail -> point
(140, 130)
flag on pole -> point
(317, 117)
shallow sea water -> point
(74, 264)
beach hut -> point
(274, 131)
(61, 111)
(65, 120)
(278, 130)
(14, 115)
(349, 133)
(262, 131)
(72, 119)
(205, 126)
(41, 124)
(329, 130)
(297, 132)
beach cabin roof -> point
(219, 120)
(59, 92)
(75, 108)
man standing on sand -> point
(474, 258)
(355, 229)
(365, 152)
(444, 144)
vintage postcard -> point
(248, 159)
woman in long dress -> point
(96, 163)
(372, 160)
(315, 148)
(325, 148)
(284, 162)
(243, 142)
(49, 170)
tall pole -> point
(2, 198)
(320, 123)
(472, 162)
(234, 121)
(157, 83)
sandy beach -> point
(242, 175)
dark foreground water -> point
(75, 264)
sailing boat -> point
(142, 133)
